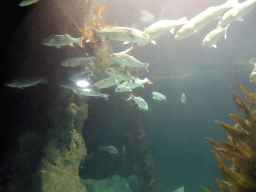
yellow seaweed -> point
(241, 148)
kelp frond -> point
(241, 148)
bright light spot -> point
(82, 83)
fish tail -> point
(79, 41)
(226, 29)
(131, 96)
(146, 65)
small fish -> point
(158, 96)
(119, 74)
(160, 27)
(124, 59)
(129, 85)
(214, 36)
(203, 19)
(110, 149)
(237, 12)
(180, 189)
(62, 40)
(140, 102)
(27, 2)
(105, 83)
(26, 82)
(183, 98)
(76, 61)
(91, 93)
(126, 34)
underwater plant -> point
(241, 148)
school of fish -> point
(120, 75)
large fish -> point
(124, 59)
(129, 85)
(26, 82)
(63, 40)
(214, 36)
(106, 83)
(160, 27)
(203, 19)
(91, 93)
(75, 61)
(27, 2)
(119, 74)
(237, 12)
(125, 34)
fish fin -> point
(172, 30)
(126, 42)
(226, 28)
(79, 41)
(131, 96)
(195, 31)
(127, 51)
(183, 20)
(71, 44)
(146, 65)
(239, 19)
(153, 42)
(215, 46)
(218, 17)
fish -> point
(91, 93)
(201, 20)
(146, 16)
(180, 189)
(125, 59)
(253, 74)
(129, 85)
(237, 12)
(158, 96)
(26, 82)
(214, 36)
(76, 61)
(119, 74)
(125, 34)
(105, 83)
(110, 149)
(183, 98)
(27, 2)
(160, 27)
(62, 40)
(140, 102)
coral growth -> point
(241, 148)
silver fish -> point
(129, 85)
(140, 102)
(126, 34)
(119, 74)
(124, 59)
(91, 93)
(158, 96)
(62, 40)
(214, 36)
(237, 12)
(105, 83)
(183, 98)
(160, 27)
(75, 61)
(27, 2)
(26, 82)
(203, 19)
